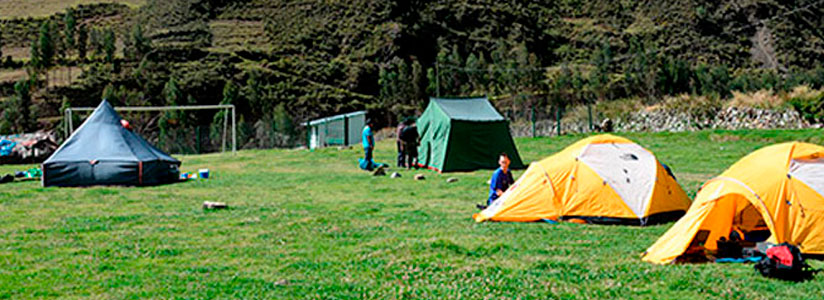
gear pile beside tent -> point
(602, 179)
(773, 194)
(27, 147)
(103, 152)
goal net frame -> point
(68, 113)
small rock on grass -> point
(395, 175)
(282, 282)
(214, 205)
(419, 177)
(451, 180)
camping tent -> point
(103, 152)
(464, 135)
(602, 179)
(777, 189)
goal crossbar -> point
(69, 128)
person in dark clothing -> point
(399, 142)
(410, 138)
(500, 181)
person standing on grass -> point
(399, 142)
(368, 144)
(500, 182)
(410, 139)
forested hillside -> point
(284, 62)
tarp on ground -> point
(103, 152)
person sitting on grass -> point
(500, 182)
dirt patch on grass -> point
(694, 177)
(724, 138)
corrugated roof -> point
(333, 118)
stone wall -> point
(670, 120)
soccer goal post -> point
(226, 108)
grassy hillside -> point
(309, 225)
(13, 9)
(286, 62)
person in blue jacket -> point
(500, 181)
(368, 144)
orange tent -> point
(600, 179)
(778, 188)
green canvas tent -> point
(464, 135)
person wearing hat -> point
(368, 143)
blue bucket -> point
(204, 173)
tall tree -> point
(230, 93)
(46, 45)
(599, 77)
(82, 42)
(109, 44)
(230, 96)
(69, 29)
(641, 75)
(109, 94)
(142, 45)
(253, 93)
(21, 106)
(35, 66)
(174, 96)
(95, 42)
(172, 93)
(418, 83)
(388, 82)
(46, 48)
(474, 83)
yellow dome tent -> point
(778, 188)
(602, 179)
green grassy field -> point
(311, 225)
